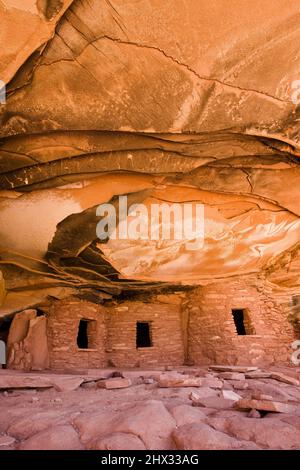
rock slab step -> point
(233, 368)
(232, 376)
(230, 395)
(114, 383)
(179, 380)
(266, 405)
(284, 378)
(218, 403)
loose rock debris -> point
(178, 409)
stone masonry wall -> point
(114, 340)
(196, 327)
(212, 333)
(166, 332)
(63, 322)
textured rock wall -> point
(63, 322)
(166, 332)
(212, 333)
(158, 100)
(115, 335)
(2, 288)
(27, 344)
(196, 327)
(26, 27)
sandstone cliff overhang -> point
(108, 98)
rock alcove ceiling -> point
(161, 101)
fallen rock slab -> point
(89, 385)
(211, 382)
(232, 376)
(233, 368)
(240, 385)
(284, 378)
(230, 395)
(261, 396)
(179, 380)
(276, 390)
(24, 381)
(203, 392)
(266, 405)
(257, 375)
(66, 384)
(291, 372)
(114, 383)
(60, 383)
(217, 403)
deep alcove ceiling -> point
(159, 100)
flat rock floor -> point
(188, 408)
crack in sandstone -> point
(248, 178)
(212, 80)
(168, 56)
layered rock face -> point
(162, 101)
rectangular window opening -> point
(242, 322)
(143, 335)
(86, 334)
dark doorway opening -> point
(143, 335)
(4, 331)
(238, 317)
(87, 334)
(82, 337)
(242, 322)
(4, 328)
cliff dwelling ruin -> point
(166, 106)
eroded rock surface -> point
(142, 416)
(161, 104)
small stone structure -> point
(64, 320)
(85, 335)
(237, 322)
(217, 336)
